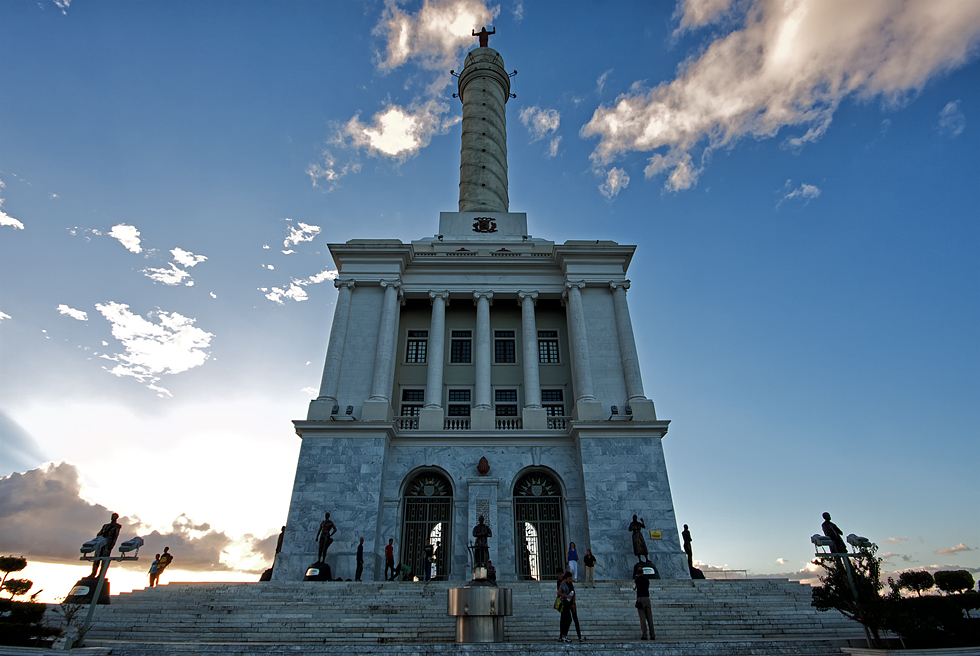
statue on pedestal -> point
(323, 537)
(831, 531)
(110, 532)
(636, 527)
(481, 550)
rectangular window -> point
(412, 402)
(461, 347)
(413, 395)
(416, 347)
(552, 401)
(548, 346)
(459, 403)
(504, 348)
(505, 402)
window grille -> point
(548, 347)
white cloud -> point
(294, 292)
(518, 11)
(186, 258)
(289, 251)
(310, 390)
(302, 232)
(170, 346)
(790, 65)
(435, 36)
(128, 236)
(6, 219)
(540, 122)
(73, 313)
(326, 174)
(62, 5)
(781, 561)
(213, 295)
(172, 276)
(265, 247)
(600, 83)
(948, 551)
(952, 122)
(616, 180)
(400, 132)
(269, 267)
(696, 13)
(326, 274)
(553, 147)
(806, 192)
(4, 316)
(896, 540)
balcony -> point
(409, 423)
(456, 423)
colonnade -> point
(387, 345)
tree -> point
(835, 591)
(17, 586)
(11, 564)
(956, 581)
(918, 582)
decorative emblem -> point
(428, 485)
(483, 466)
(484, 224)
(536, 485)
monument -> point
(481, 342)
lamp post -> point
(94, 547)
(855, 541)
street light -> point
(855, 541)
(94, 546)
(858, 541)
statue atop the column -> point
(686, 535)
(484, 36)
(323, 537)
(481, 549)
(110, 532)
(636, 527)
(831, 531)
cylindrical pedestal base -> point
(480, 628)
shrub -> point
(952, 582)
(22, 624)
(918, 582)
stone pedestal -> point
(480, 609)
(483, 501)
(588, 411)
(535, 419)
(431, 419)
(376, 411)
(482, 419)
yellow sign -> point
(656, 535)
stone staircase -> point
(693, 618)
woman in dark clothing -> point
(567, 596)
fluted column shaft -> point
(532, 377)
(581, 367)
(483, 351)
(330, 382)
(435, 353)
(384, 355)
(627, 343)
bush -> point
(918, 582)
(835, 589)
(17, 587)
(11, 564)
(931, 621)
(952, 582)
(22, 624)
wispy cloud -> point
(952, 122)
(295, 291)
(73, 313)
(326, 174)
(400, 132)
(948, 551)
(4, 316)
(698, 13)
(171, 345)
(805, 192)
(790, 65)
(897, 540)
(172, 276)
(186, 258)
(127, 235)
(600, 82)
(542, 123)
(616, 180)
(63, 5)
(299, 233)
(436, 36)
(6, 219)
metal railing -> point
(456, 423)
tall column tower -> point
(484, 88)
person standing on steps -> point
(360, 560)
(567, 595)
(589, 562)
(428, 557)
(390, 560)
(642, 586)
(571, 559)
(165, 559)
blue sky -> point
(800, 179)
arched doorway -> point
(428, 516)
(538, 526)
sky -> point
(800, 179)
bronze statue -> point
(110, 532)
(323, 537)
(484, 36)
(831, 531)
(639, 542)
(481, 550)
(686, 534)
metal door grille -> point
(428, 512)
(540, 547)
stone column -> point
(432, 415)
(378, 407)
(482, 411)
(641, 406)
(586, 406)
(534, 415)
(321, 407)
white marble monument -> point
(481, 341)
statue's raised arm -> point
(484, 36)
